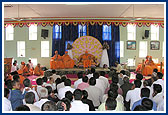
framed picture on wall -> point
(131, 45)
(154, 45)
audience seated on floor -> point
(134, 95)
(7, 103)
(145, 94)
(43, 97)
(77, 104)
(110, 104)
(77, 82)
(29, 99)
(94, 93)
(87, 101)
(49, 106)
(62, 91)
(84, 83)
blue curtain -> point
(114, 51)
(96, 31)
(68, 33)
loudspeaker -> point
(146, 33)
(44, 33)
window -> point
(131, 32)
(20, 48)
(33, 32)
(117, 49)
(121, 48)
(155, 60)
(163, 50)
(57, 32)
(9, 32)
(44, 48)
(142, 49)
(81, 30)
(34, 61)
(66, 43)
(154, 32)
(106, 32)
(131, 62)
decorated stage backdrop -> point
(89, 43)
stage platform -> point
(76, 70)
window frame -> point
(21, 48)
(7, 33)
(45, 49)
(108, 33)
(133, 32)
(31, 32)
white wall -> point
(33, 48)
(139, 33)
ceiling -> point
(32, 11)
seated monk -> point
(139, 67)
(68, 62)
(38, 71)
(22, 66)
(56, 62)
(149, 65)
(27, 71)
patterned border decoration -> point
(116, 23)
(124, 24)
(91, 22)
(75, 23)
(162, 25)
(44, 24)
(139, 24)
(21, 25)
(108, 23)
(66, 23)
(83, 23)
(148, 24)
(100, 23)
(51, 23)
(28, 24)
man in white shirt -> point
(62, 91)
(134, 95)
(43, 97)
(61, 85)
(7, 103)
(77, 104)
(77, 82)
(157, 93)
(118, 68)
(92, 72)
(14, 67)
(159, 81)
(27, 85)
(29, 99)
(54, 75)
(95, 94)
(105, 80)
(110, 104)
(30, 64)
(39, 82)
(99, 83)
